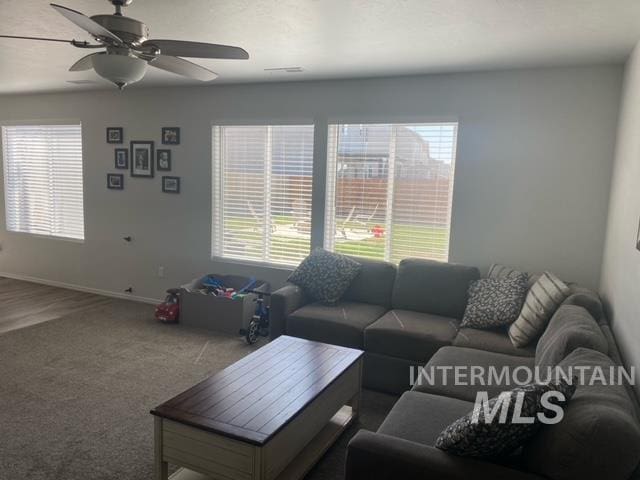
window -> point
(43, 180)
(389, 190)
(262, 192)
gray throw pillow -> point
(492, 439)
(325, 276)
(495, 302)
(497, 270)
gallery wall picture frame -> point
(171, 135)
(121, 158)
(115, 135)
(115, 181)
(163, 160)
(171, 184)
(142, 158)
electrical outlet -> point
(160, 271)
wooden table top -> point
(252, 399)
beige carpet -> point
(75, 393)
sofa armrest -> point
(283, 302)
(383, 457)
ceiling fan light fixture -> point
(122, 70)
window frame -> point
(216, 191)
(47, 122)
(341, 122)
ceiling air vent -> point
(285, 69)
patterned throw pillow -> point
(490, 438)
(541, 303)
(495, 302)
(325, 276)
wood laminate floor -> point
(24, 303)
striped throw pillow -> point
(498, 271)
(542, 301)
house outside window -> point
(262, 185)
(389, 190)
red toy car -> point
(169, 310)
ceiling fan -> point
(129, 49)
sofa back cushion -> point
(373, 284)
(433, 287)
(570, 327)
(588, 299)
(599, 436)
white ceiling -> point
(331, 38)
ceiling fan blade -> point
(183, 67)
(85, 63)
(37, 38)
(84, 22)
(179, 48)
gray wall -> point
(532, 179)
(621, 263)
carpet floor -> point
(75, 393)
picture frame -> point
(115, 181)
(115, 135)
(171, 135)
(171, 184)
(142, 158)
(121, 158)
(163, 160)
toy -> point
(214, 286)
(169, 310)
(378, 231)
(259, 323)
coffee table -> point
(269, 416)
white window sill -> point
(254, 263)
(47, 237)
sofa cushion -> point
(373, 284)
(410, 335)
(339, 324)
(325, 276)
(492, 341)
(486, 436)
(541, 303)
(433, 287)
(588, 299)
(570, 327)
(443, 376)
(598, 437)
(420, 417)
(495, 302)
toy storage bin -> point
(221, 314)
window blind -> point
(389, 190)
(262, 177)
(43, 180)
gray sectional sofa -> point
(400, 316)
(410, 316)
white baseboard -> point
(80, 288)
